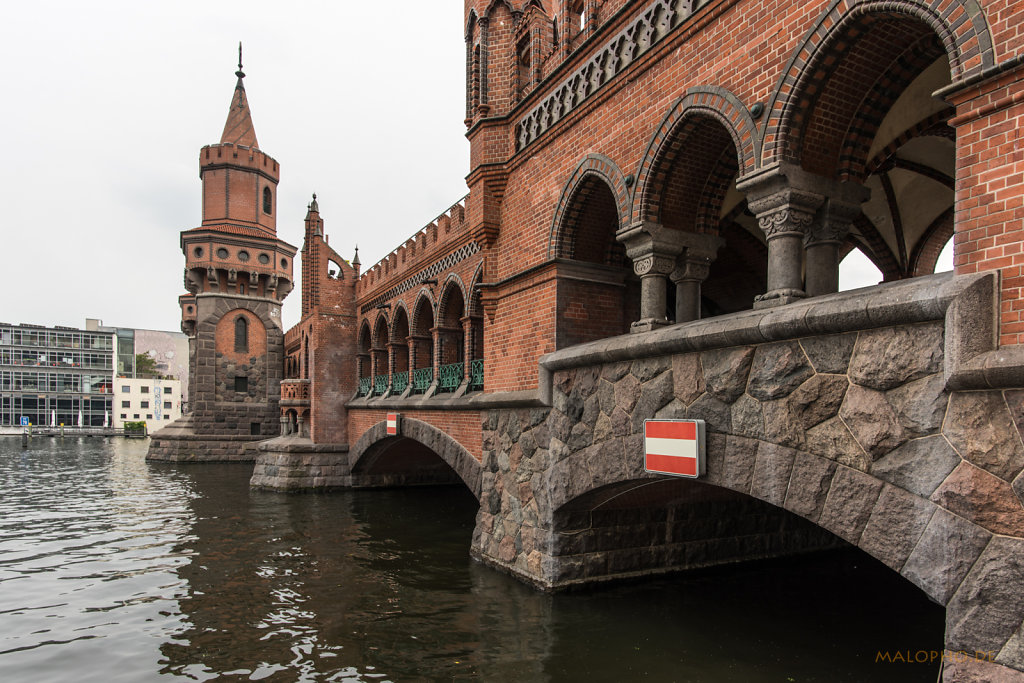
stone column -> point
(653, 249)
(378, 365)
(467, 346)
(825, 236)
(785, 203)
(435, 362)
(362, 365)
(691, 270)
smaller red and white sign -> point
(674, 447)
(393, 420)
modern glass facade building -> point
(53, 376)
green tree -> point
(145, 365)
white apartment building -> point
(157, 402)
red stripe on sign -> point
(670, 430)
(672, 464)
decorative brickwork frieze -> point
(430, 271)
(655, 23)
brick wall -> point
(989, 219)
(462, 425)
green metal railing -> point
(364, 386)
(421, 379)
(399, 381)
(476, 375)
(380, 385)
(451, 376)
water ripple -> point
(115, 570)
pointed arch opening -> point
(689, 193)
(241, 334)
(421, 350)
(451, 337)
(379, 356)
(399, 350)
(363, 368)
(598, 294)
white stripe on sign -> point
(680, 448)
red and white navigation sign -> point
(674, 447)
(393, 420)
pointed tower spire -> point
(238, 129)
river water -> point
(112, 569)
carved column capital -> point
(695, 261)
(654, 265)
(841, 209)
(785, 199)
(787, 212)
(646, 239)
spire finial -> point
(239, 72)
(355, 259)
(313, 206)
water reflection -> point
(89, 547)
(112, 569)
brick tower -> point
(237, 273)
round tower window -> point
(188, 309)
(284, 263)
(222, 253)
(264, 259)
(243, 256)
(198, 251)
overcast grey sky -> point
(106, 106)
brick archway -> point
(966, 40)
(372, 444)
(570, 204)
(665, 146)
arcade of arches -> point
(659, 203)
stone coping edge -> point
(503, 399)
(293, 444)
(202, 437)
(969, 305)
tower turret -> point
(237, 273)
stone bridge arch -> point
(852, 427)
(906, 532)
(368, 458)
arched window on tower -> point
(241, 334)
(268, 200)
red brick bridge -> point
(660, 194)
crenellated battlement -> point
(419, 250)
(227, 153)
